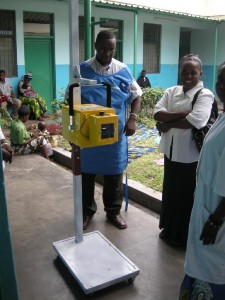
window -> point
(151, 47)
(117, 27)
(8, 57)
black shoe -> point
(117, 220)
(163, 234)
(86, 221)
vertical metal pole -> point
(87, 29)
(126, 192)
(77, 187)
(77, 178)
(215, 57)
(74, 36)
(74, 61)
(135, 43)
(8, 285)
(126, 182)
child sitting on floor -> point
(25, 142)
(44, 134)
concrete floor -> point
(40, 209)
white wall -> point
(199, 7)
(170, 34)
(60, 10)
(203, 42)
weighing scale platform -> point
(95, 262)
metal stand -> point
(92, 259)
(95, 263)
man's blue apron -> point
(109, 159)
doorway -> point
(185, 45)
(39, 53)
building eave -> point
(136, 7)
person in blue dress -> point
(110, 160)
(204, 262)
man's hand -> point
(130, 126)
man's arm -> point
(213, 224)
(130, 125)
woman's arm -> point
(167, 116)
(213, 224)
(181, 124)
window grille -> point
(8, 53)
(151, 47)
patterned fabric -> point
(19, 135)
(25, 149)
(136, 142)
(195, 289)
(37, 105)
(33, 146)
(29, 96)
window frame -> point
(8, 61)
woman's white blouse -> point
(175, 100)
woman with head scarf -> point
(29, 96)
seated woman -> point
(29, 96)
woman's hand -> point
(209, 233)
(163, 127)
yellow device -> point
(93, 125)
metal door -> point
(38, 61)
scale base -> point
(95, 263)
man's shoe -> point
(117, 220)
(86, 221)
